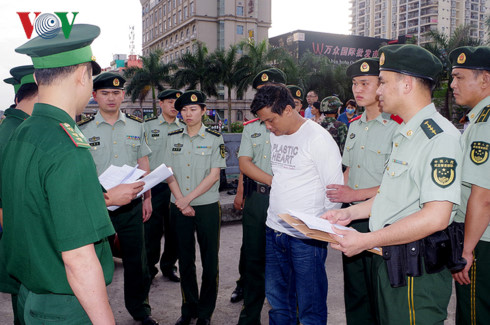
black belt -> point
(263, 189)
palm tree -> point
(257, 57)
(441, 46)
(194, 71)
(150, 77)
(229, 70)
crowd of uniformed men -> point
(412, 186)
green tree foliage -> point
(441, 45)
(150, 77)
(196, 71)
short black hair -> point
(317, 105)
(45, 77)
(277, 97)
(26, 91)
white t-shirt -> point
(303, 164)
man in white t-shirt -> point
(304, 159)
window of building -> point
(239, 29)
(187, 32)
(192, 13)
(186, 12)
(175, 19)
(179, 16)
(221, 35)
(239, 10)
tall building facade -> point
(173, 25)
(393, 18)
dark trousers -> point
(253, 258)
(128, 223)
(473, 300)
(358, 288)
(423, 301)
(206, 225)
(158, 225)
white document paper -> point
(317, 223)
(114, 176)
(158, 175)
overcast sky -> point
(115, 17)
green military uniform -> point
(120, 144)
(424, 166)
(157, 129)
(415, 175)
(474, 300)
(256, 145)
(41, 176)
(191, 159)
(13, 118)
(366, 152)
(46, 182)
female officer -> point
(196, 154)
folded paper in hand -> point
(114, 176)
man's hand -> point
(123, 194)
(352, 242)
(182, 203)
(189, 211)
(147, 208)
(462, 277)
(340, 216)
(239, 201)
(340, 193)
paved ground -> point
(165, 295)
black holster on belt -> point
(455, 232)
(248, 186)
(396, 263)
(437, 249)
(414, 260)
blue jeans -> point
(295, 279)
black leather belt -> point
(263, 189)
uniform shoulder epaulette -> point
(151, 118)
(251, 121)
(176, 131)
(484, 115)
(355, 118)
(430, 128)
(85, 120)
(213, 132)
(396, 118)
(135, 118)
(75, 137)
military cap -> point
(24, 74)
(14, 82)
(169, 94)
(62, 52)
(471, 57)
(296, 91)
(363, 67)
(271, 75)
(330, 105)
(411, 60)
(190, 97)
(109, 80)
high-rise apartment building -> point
(173, 25)
(393, 18)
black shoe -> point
(171, 275)
(237, 295)
(149, 321)
(183, 320)
(202, 321)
